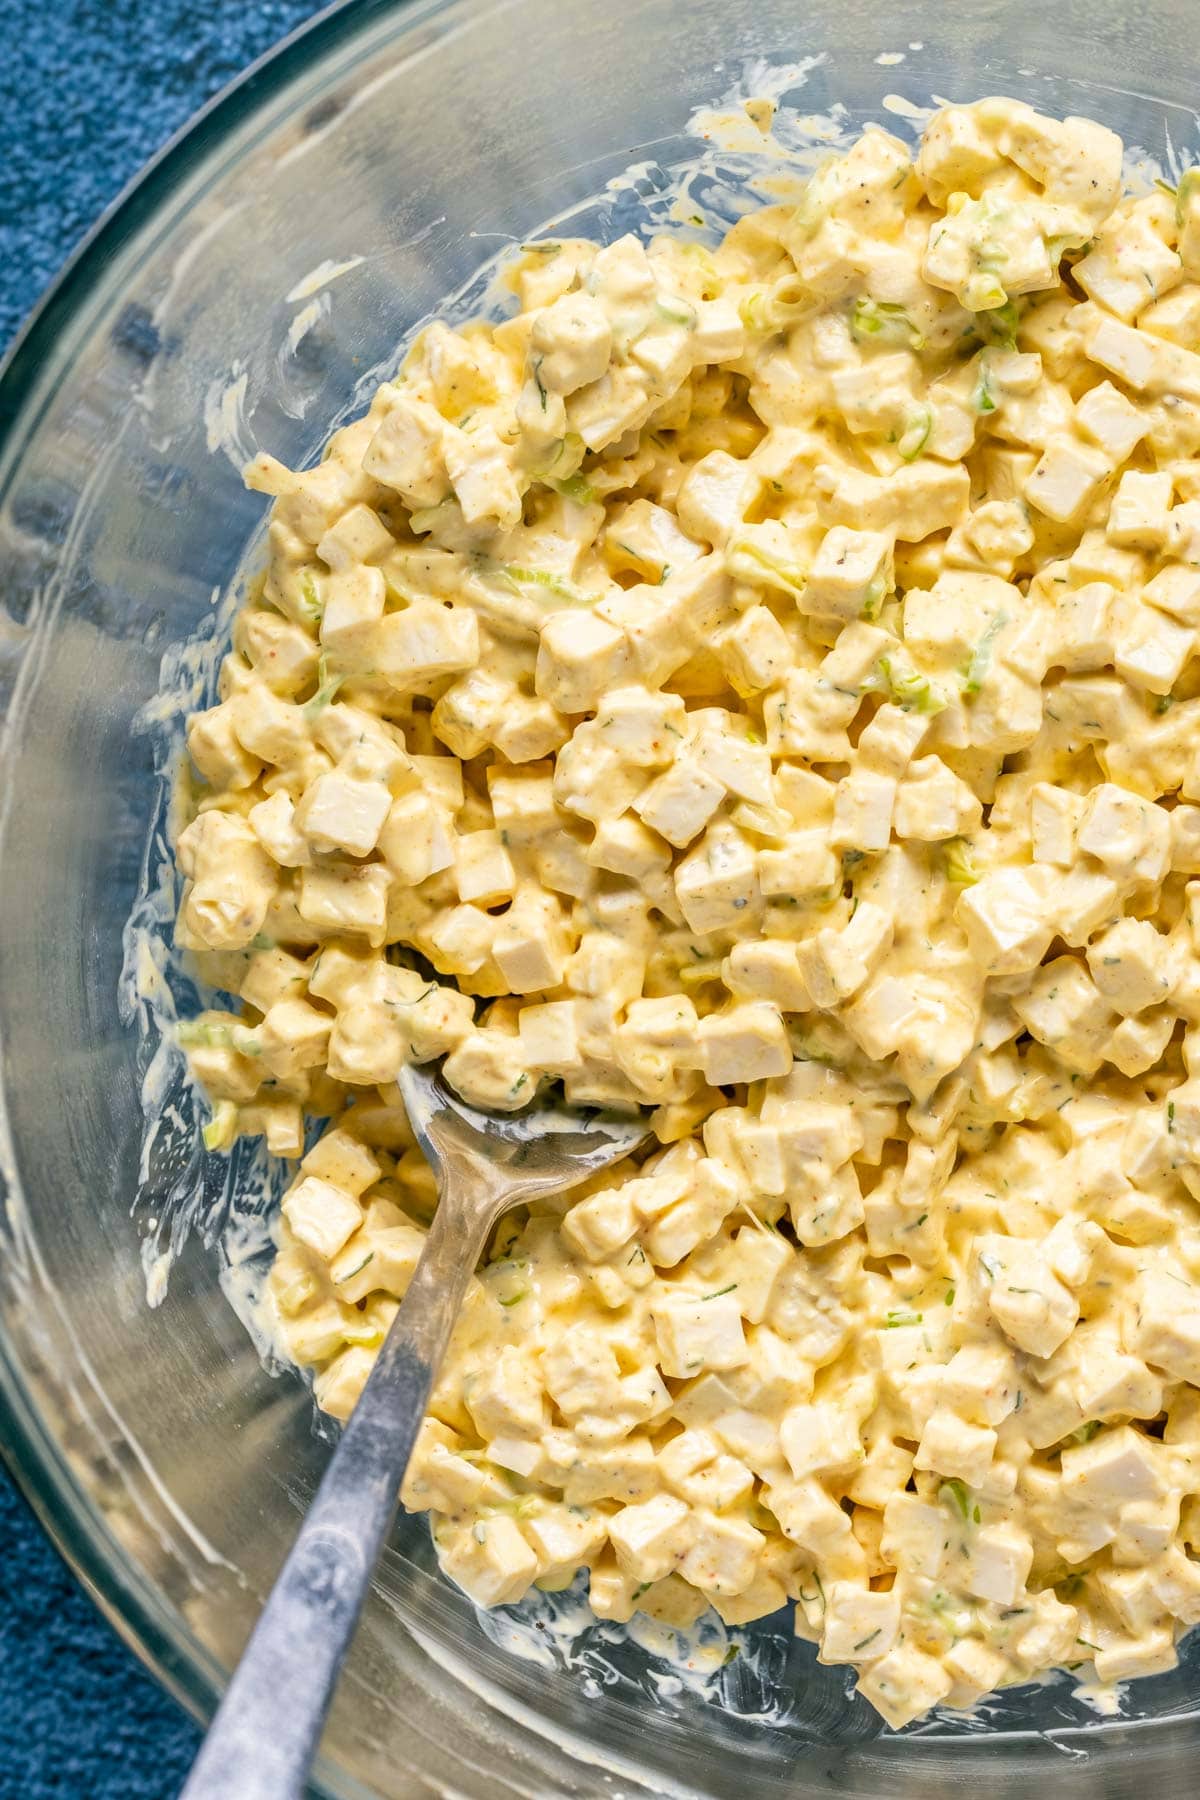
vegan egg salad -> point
(761, 683)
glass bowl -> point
(265, 268)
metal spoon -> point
(265, 1733)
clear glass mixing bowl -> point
(408, 142)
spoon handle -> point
(265, 1733)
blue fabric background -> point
(88, 91)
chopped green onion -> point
(916, 434)
(953, 1493)
(221, 1129)
(789, 576)
(910, 689)
(515, 577)
(896, 1319)
(998, 325)
(961, 870)
(976, 670)
(883, 322)
(1189, 181)
(310, 603)
(327, 687)
(573, 487)
(677, 312)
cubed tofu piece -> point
(715, 496)
(911, 503)
(570, 343)
(680, 803)
(1054, 816)
(862, 812)
(998, 1561)
(490, 1560)
(1137, 517)
(1166, 1327)
(748, 1042)
(321, 1216)
(904, 1684)
(483, 869)
(1025, 1298)
(1132, 965)
(724, 1554)
(716, 884)
(1006, 918)
(1106, 417)
(851, 574)
(950, 1446)
(1119, 1466)
(424, 642)
(580, 655)
(804, 863)
(859, 1625)
(1129, 835)
(1151, 647)
(651, 1537)
(820, 1439)
(1175, 590)
(980, 1382)
(1067, 479)
(346, 898)
(697, 1332)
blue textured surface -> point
(88, 91)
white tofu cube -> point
(483, 869)
(716, 884)
(1130, 836)
(651, 1537)
(904, 1684)
(491, 1561)
(1066, 480)
(1166, 1329)
(580, 655)
(715, 496)
(321, 1216)
(1005, 918)
(1119, 1466)
(998, 1561)
(748, 1042)
(1137, 517)
(1176, 590)
(697, 1332)
(820, 1439)
(1112, 424)
(680, 803)
(724, 1554)
(1027, 1301)
(951, 1447)
(1131, 965)
(1151, 647)
(1054, 816)
(862, 812)
(803, 864)
(850, 574)
(859, 1625)
(570, 343)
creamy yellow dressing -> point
(761, 683)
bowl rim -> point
(66, 1513)
(73, 1523)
